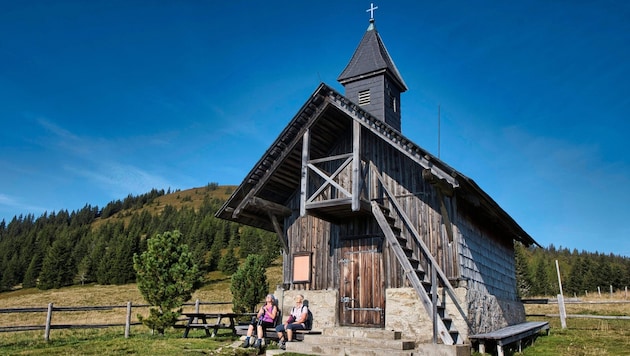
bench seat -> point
(510, 334)
(270, 333)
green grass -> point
(112, 342)
(584, 337)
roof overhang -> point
(276, 177)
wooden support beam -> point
(445, 216)
(329, 180)
(304, 181)
(431, 178)
(442, 188)
(408, 149)
(356, 165)
(275, 208)
(280, 232)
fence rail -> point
(586, 316)
(48, 326)
(577, 301)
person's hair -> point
(300, 297)
(273, 298)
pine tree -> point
(249, 285)
(166, 278)
(228, 263)
(57, 267)
(33, 270)
(250, 242)
(541, 285)
(523, 279)
(215, 253)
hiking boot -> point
(258, 343)
(282, 345)
(245, 343)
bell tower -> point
(371, 78)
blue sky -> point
(101, 99)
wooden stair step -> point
(357, 332)
(365, 342)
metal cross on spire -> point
(371, 10)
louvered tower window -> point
(392, 100)
(364, 97)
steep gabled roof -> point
(327, 114)
(371, 58)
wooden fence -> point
(48, 326)
(577, 301)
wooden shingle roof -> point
(371, 58)
(276, 177)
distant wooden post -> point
(599, 292)
(563, 312)
(48, 321)
(434, 293)
(128, 320)
(611, 291)
(197, 306)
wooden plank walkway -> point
(510, 334)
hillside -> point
(94, 245)
(189, 198)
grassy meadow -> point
(582, 336)
(111, 341)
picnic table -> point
(217, 321)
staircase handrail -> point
(423, 247)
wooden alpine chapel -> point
(377, 232)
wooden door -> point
(362, 290)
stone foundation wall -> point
(322, 303)
(405, 312)
(488, 313)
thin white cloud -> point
(58, 131)
(95, 159)
(14, 203)
(120, 179)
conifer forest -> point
(94, 245)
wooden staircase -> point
(427, 289)
(353, 341)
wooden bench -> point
(510, 334)
(200, 321)
(271, 334)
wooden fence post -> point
(563, 312)
(48, 321)
(197, 306)
(128, 320)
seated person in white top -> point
(296, 321)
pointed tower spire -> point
(372, 80)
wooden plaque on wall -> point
(302, 267)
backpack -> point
(308, 324)
(278, 320)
